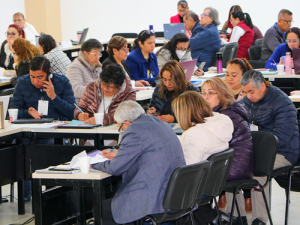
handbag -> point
(296, 60)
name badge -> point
(43, 107)
(253, 127)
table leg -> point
(37, 201)
(21, 202)
(82, 206)
(97, 198)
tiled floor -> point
(8, 211)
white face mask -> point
(180, 53)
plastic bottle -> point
(219, 62)
(288, 64)
(151, 28)
(1, 116)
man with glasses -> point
(30, 31)
(149, 153)
(206, 41)
(275, 34)
(86, 68)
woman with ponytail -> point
(142, 62)
(242, 33)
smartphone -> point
(200, 67)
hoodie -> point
(205, 139)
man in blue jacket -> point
(43, 94)
(150, 151)
(270, 110)
(206, 42)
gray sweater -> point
(272, 39)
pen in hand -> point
(78, 108)
(109, 151)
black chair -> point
(126, 35)
(8, 91)
(185, 188)
(254, 56)
(229, 52)
(159, 34)
(265, 147)
(258, 42)
(219, 168)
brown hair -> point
(178, 80)
(115, 42)
(242, 63)
(234, 8)
(224, 91)
(190, 108)
(183, 4)
(24, 50)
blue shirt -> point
(205, 44)
(275, 57)
(138, 65)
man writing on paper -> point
(150, 151)
(43, 94)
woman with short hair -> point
(173, 83)
(104, 95)
(59, 61)
(117, 53)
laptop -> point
(189, 67)
(22, 121)
(78, 126)
(170, 29)
(82, 38)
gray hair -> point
(190, 14)
(128, 111)
(253, 76)
(214, 14)
(283, 12)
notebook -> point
(43, 120)
(189, 67)
(170, 29)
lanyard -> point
(254, 115)
(149, 75)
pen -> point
(109, 151)
(78, 108)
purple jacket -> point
(241, 142)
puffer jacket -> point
(92, 98)
(26, 95)
(276, 113)
(241, 142)
(81, 72)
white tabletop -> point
(144, 94)
(92, 175)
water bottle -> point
(288, 64)
(151, 28)
(1, 116)
(219, 62)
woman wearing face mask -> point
(292, 37)
(142, 62)
(172, 84)
(6, 54)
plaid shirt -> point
(59, 61)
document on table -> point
(37, 125)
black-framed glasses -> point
(183, 49)
(288, 21)
(209, 94)
(12, 34)
(119, 130)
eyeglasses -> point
(12, 34)
(125, 49)
(120, 127)
(17, 20)
(292, 41)
(288, 21)
(183, 49)
(96, 55)
(209, 94)
(107, 87)
(148, 32)
(166, 81)
(202, 15)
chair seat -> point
(281, 170)
(241, 184)
(171, 216)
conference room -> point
(71, 24)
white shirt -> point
(30, 33)
(236, 34)
(104, 105)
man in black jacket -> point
(270, 110)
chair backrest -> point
(159, 34)
(229, 52)
(255, 52)
(126, 35)
(219, 168)
(258, 42)
(265, 146)
(182, 191)
(8, 91)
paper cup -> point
(133, 84)
(13, 114)
(84, 164)
(280, 69)
(99, 118)
(1, 72)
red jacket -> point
(246, 41)
(176, 19)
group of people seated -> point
(219, 116)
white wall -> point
(105, 17)
(8, 8)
